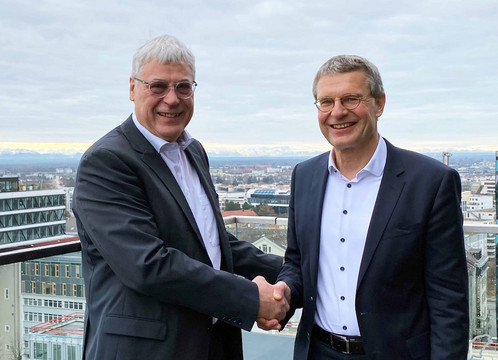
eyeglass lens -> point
(183, 89)
(348, 102)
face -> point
(168, 116)
(349, 129)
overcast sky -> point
(65, 66)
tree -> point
(230, 205)
(264, 210)
(247, 206)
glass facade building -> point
(31, 215)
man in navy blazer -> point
(164, 279)
(375, 253)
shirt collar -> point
(376, 164)
(184, 140)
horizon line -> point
(247, 150)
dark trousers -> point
(322, 351)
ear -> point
(132, 89)
(380, 103)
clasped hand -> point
(274, 303)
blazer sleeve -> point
(446, 273)
(117, 221)
(291, 270)
(250, 262)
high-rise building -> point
(40, 290)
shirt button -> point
(344, 212)
(342, 268)
(343, 240)
(344, 327)
(343, 298)
(349, 185)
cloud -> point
(65, 67)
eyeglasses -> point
(159, 89)
(349, 102)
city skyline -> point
(65, 70)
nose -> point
(171, 98)
(338, 110)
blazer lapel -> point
(198, 160)
(390, 189)
(315, 198)
(154, 161)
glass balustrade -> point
(43, 303)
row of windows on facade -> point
(46, 288)
(7, 237)
(41, 351)
(57, 304)
(51, 269)
(262, 200)
(31, 218)
(9, 184)
(32, 202)
(38, 318)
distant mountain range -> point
(35, 159)
(23, 159)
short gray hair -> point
(349, 63)
(163, 49)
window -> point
(6, 293)
(7, 347)
(74, 289)
(64, 289)
(33, 287)
(40, 351)
(44, 286)
(56, 270)
(66, 270)
(7, 328)
(71, 352)
(37, 269)
(47, 270)
(77, 271)
(56, 352)
(53, 289)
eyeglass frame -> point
(360, 98)
(193, 85)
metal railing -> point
(35, 249)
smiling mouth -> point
(342, 126)
(169, 115)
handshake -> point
(274, 303)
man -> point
(375, 251)
(159, 265)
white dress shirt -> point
(175, 158)
(347, 210)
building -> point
(58, 339)
(40, 290)
(30, 215)
(269, 247)
(276, 199)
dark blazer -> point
(411, 297)
(150, 286)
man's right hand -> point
(274, 303)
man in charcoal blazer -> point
(164, 279)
